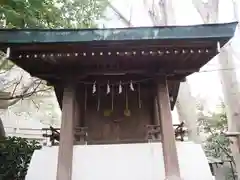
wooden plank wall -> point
(117, 126)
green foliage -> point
(47, 14)
(51, 13)
(216, 145)
(15, 155)
(213, 124)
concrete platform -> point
(121, 161)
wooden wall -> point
(107, 125)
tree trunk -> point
(231, 99)
(2, 131)
(186, 107)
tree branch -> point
(236, 9)
(208, 11)
(164, 15)
(25, 94)
(13, 99)
(201, 8)
(213, 11)
(15, 88)
(120, 15)
(168, 12)
(154, 14)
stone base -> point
(106, 156)
(173, 178)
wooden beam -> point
(64, 167)
(232, 134)
(172, 171)
(77, 116)
(156, 112)
(235, 135)
(78, 105)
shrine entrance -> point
(116, 108)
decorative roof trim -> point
(206, 31)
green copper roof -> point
(214, 31)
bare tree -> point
(14, 90)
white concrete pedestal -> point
(121, 161)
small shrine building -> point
(116, 85)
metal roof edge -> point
(206, 31)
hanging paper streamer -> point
(120, 88)
(131, 86)
(94, 87)
(218, 46)
(108, 88)
(8, 53)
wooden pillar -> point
(77, 113)
(172, 171)
(64, 166)
(156, 114)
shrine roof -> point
(51, 52)
(175, 51)
(212, 31)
